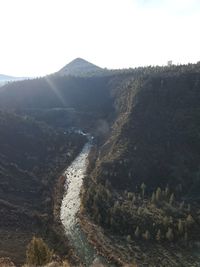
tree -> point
(147, 235)
(189, 220)
(38, 253)
(134, 198)
(158, 235)
(158, 194)
(167, 191)
(130, 196)
(182, 205)
(166, 221)
(189, 207)
(128, 238)
(139, 211)
(186, 237)
(180, 226)
(143, 188)
(153, 198)
(137, 232)
(170, 234)
(171, 199)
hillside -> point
(142, 185)
(32, 155)
(143, 182)
(6, 78)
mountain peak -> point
(79, 67)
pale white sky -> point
(39, 37)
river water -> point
(71, 204)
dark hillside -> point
(143, 183)
(32, 156)
(82, 94)
(155, 138)
(144, 167)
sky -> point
(39, 37)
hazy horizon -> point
(40, 37)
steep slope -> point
(32, 155)
(65, 101)
(80, 67)
(82, 94)
(158, 134)
(144, 182)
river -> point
(71, 204)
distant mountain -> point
(80, 67)
(6, 78)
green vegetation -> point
(38, 253)
(158, 220)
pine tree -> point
(171, 220)
(130, 196)
(128, 238)
(180, 226)
(153, 198)
(189, 207)
(143, 188)
(167, 191)
(181, 205)
(158, 235)
(38, 253)
(171, 199)
(147, 235)
(170, 234)
(158, 194)
(189, 220)
(165, 221)
(139, 211)
(134, 198)
(186, 237)
(137, 232)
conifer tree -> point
(181, 205)
(139, 211)
(167, 191)
(165, 221)
(158, 235)
(180, 226)
(171, 199)
(189, 220)
(186, 237)
(38, 253)
(147, 235)
(170, 234)
(153, 198)
(143, 188)
(128, 238)
(137, 232)
(158, 194)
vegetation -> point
(143, 177)
(32, 155)
(144, 184)
(38, 253)
(137, 217)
